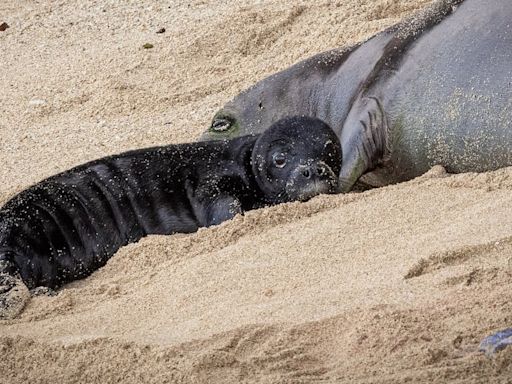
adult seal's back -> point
(436, 89)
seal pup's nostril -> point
(306, 173)
(320, 171)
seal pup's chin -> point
(311, 190)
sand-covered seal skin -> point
(69, 225)
(432, 91)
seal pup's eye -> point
(220, 125)
(279, 159)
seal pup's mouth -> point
(314, 189)
(311, 179)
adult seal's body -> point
(436, 89)
(70, 224)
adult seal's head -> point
(297, 158)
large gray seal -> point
(70, 224)
(436, 89)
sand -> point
(397, 284)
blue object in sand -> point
(496, 342)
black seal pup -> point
(436, 90)
(70, 224)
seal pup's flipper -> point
(212, 205)
(14, 294)
(365, 140)
(222, 208)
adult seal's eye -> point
(221, 125)
(279, 159)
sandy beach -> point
(392, 285)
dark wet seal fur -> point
(69, 225)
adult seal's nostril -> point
(306, 173)
(320, 170)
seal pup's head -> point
(297, 158)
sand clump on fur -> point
(397, 284)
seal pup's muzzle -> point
(311, 179)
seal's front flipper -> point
(365, 140)
(376, 129)
(211, 205)
(496, 342)
(222, 208)
(14, 295)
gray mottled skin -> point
(436, 89)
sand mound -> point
(391, 285)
